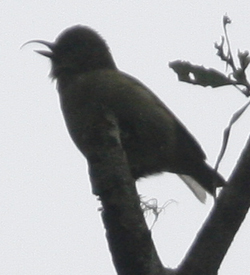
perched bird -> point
(153, 138)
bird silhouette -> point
(152, 137)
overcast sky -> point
(49, 220)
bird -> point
(153, 138)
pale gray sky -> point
(49, 223)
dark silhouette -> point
(152, 137)
(126, 132)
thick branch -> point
(129, 239)
(214, 239)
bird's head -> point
(77, 49)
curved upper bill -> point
(50, 45)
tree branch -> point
(214, 239)
(129, 239)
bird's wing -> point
(189, 142)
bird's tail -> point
(195, 187)
(207, 180)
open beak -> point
(50, 45)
